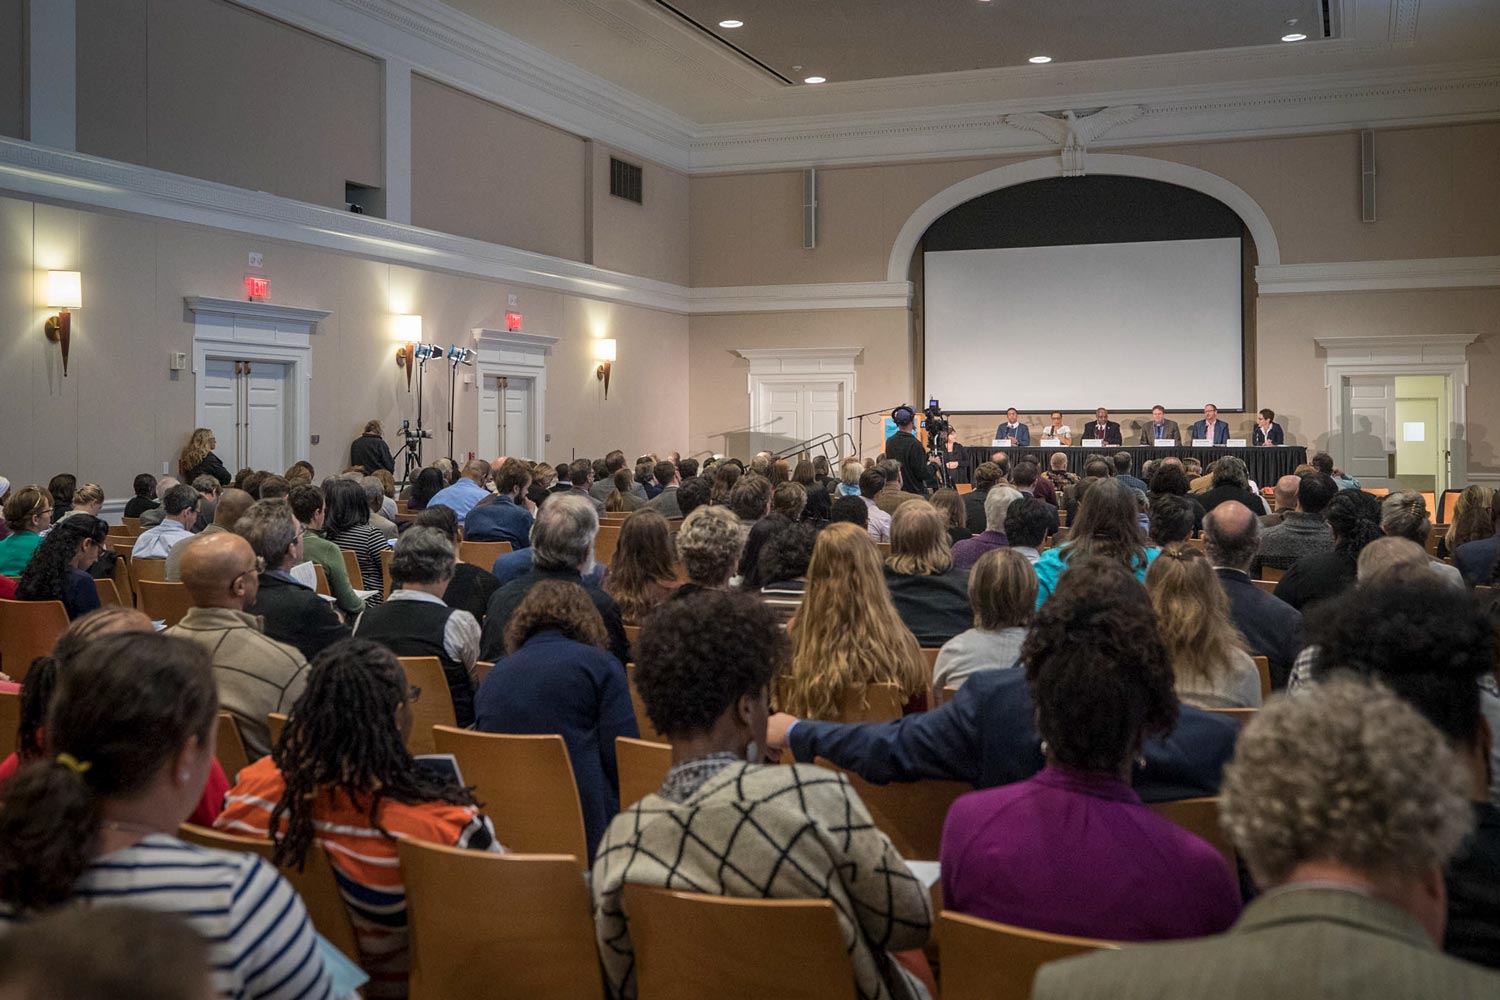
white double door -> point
(507, 417)
(246, 404)
(1395, 432)
(799, 411)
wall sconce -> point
(408, 329)
(64, 292)
(604, 350)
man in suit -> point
(602, 488)
(665, 502)
(581, 479)
(1351, 840)
(505, 518)
(1013, 430)
(1103, 428)
(1160, 429)
(1211, 428)
(1267, 433)
(293, 613)
(1271, 627)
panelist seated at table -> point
(1057, 430)
(1102, 428)
(1159, 428)
(1267, 432)
(1211, 428)
(1013, 430)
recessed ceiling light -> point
(816, 79)
(1295, 36)
(731, 23)
(1040, 59)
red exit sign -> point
(513, 321)
(257, 288)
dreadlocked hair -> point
(342, 738)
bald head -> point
(232, 506)
(477, 470)
(1286, 492)
(219, 571)
(1232, 533)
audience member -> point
(852, 510)
(505, 517)
(581, 478)
(688, 468)
(1106, 527)
(665, 502)
(1354, 518)
(58, 569)
(709, 543)
(1472, 519)
(375, 497)
(1206, 651)
(1479, 560)
(643, 573)
(1002, 591)
(1304, 530)
(231, 506)
(1060, 851)
(1323, 462)
(1057, 471)
(28, 513)
(997, 503)
(1231, 481)
(1171, 520)
(346, 523)
(471, 587)
(605, 483)
(1026, 522)
(144, 487)
(750, 500)
(198, 458)
(1027, 477)
(1095, 470)
(986, 477)
(818, 499)
(1404, 515)
(369, 451)
(85, 499)
(644, 469)
(891, 495)
(781, 571)
(726, 475)
(1285, 499)
(1122, 466)
(208, 500)
(951, 505)
(558, 676)
(543, 479)
(695, 493)
(1346, 804)
(467, 490)
(816, 839)
(415, 621)
(621, 499)
(428, 484)
(931, 593)
(789, 500)
(847, 635)
(871, 482)
(1169, 479)
(1271, 627)
(308, 506)
(341, 780)
(274, 487)
(95, 821)
(289, 610)
(180, 513)
(301, 473)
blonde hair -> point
(196, 450)
(709, 543)
(1390, 554)
(847, 632)
(1192, 615)
(1002, 590)
(1472, 517)
(373, 427)
(952, 505)
(88, 493)
(919, 540)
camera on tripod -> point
(412, 435)
(935, 422)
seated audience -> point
(256, 674)
(604, 481)
(86, 499)
(815, 838)
(986, 477)
(467, 490)
(1345, 806)
(643, 573)
(852, 510)
(28, 513)
(1285, 500)
(289, 610)
(750, 500)
(781, 571)
(1026, 526)
(996, 504)
(1354, 518)
(581, 482)
(346, 523)
(1106, 527)
(58, 570)
(309, 508)
(472, 587)
(144, 487)
(504, 518)
(1122, 464)
(931, 593)
(274, 487)
(1206, 652)
(620, 499)
(94, 822)
(301, 473)
(1169, 479)
(695, 493)
(670, 480)
(179, 514)
(789, 500)
(1095, 470)
(1002, 591)
(891, 495)
(871, 482)
(1271, 627)
(1304, 530)
(558, 676)
(341, 779)
(562, 548)
(414, 620)
(1027, 477)
(543, 479)
(228, 510)
(847, 634)
(1403, 514)
(954, 516)
(709, 543)
(1171, 520)
(1472, 519)
(62, 487)
(208, 499)
(374, 496)
(1231, 481)
(428, 484)
(644, 467)
(1323, 462)
(818, 498)
(1057, 471)
(152, 517)
(1072, 850)
(1479, 560)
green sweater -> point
(16, 550)
(328, 555)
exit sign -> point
(512, 321)
(257, 287)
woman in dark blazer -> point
(198, 458)
(558, 676)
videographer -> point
(370, 452)
(903, 447)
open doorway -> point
(1395, 431)
(1421, 433)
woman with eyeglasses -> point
(58, 569)
(341, 778)
(28, 512)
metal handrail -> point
(823, 442)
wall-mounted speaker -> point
(1367, 174)
(810, 208)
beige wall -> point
(121, 412)
(211, 90)
(650, 239)
(481, 171)
(12, 67)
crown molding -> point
(1379, 275)
(269, 312)
(798, 298)
(532, 343)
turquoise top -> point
(16, 550)
(1051, 566)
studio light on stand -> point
(64, 292)
(414, 354)
(456, 356)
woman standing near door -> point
(198, 458)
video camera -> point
(935, 422)
(412, 435)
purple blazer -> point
(969, 551)
(1069, 852)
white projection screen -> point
(1073, 328)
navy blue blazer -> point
(1200, 431)
(1258, 436)
(555, 685)
(1476, 560)
(986, 735)
(1272, 628)
(1022, 434)
(499, 520)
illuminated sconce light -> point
(409, 331)
(64, 292)
(604, 351)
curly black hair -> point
(851, 509)
(342, 735)
(696, 657)
(1354, 516)
(1100, 677)
(42, 580)
(786, 555)
(1419, 637)
(1171, 519)
(1169, 479)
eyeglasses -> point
(257, 568)
(413, 694)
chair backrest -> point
(482, 554)
(871, 703)
(28, 629)
(884, 548)
(10, 722)
(433, 707)
(1199, 817)
(1379, 491)
(983, 960)
(276, 723)
(963, 488)
(911, 813)
(133, 523)
(387, 556)
(642, 720)
(1263, 665)
(351, 566)
(526, 786)
(121, 576)
(1449, 506)
(1271, 573)
(154, 570)
(1430, 498)
(929, 658)
(944, 694)
(606, 542)
(322, 580)
(162, 601)
(229, 747)
(632, 635)
(108, 595)
(1269, 586)
(482, 670)
(540, 943)
(1240, 715)
(315, 883)
(642, 765)
(680, 939)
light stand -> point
(456, 356)
(422, 353)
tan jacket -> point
(892, 497)
(256, 675)
(1296, 944)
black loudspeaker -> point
(810, 208)
(1367, 175)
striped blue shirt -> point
(261, 941)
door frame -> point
(800, 365)
(512, 354)
(233, 330)
(1413, 354)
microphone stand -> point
(861, 418)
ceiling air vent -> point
(625, 180)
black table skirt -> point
(1266, 464)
